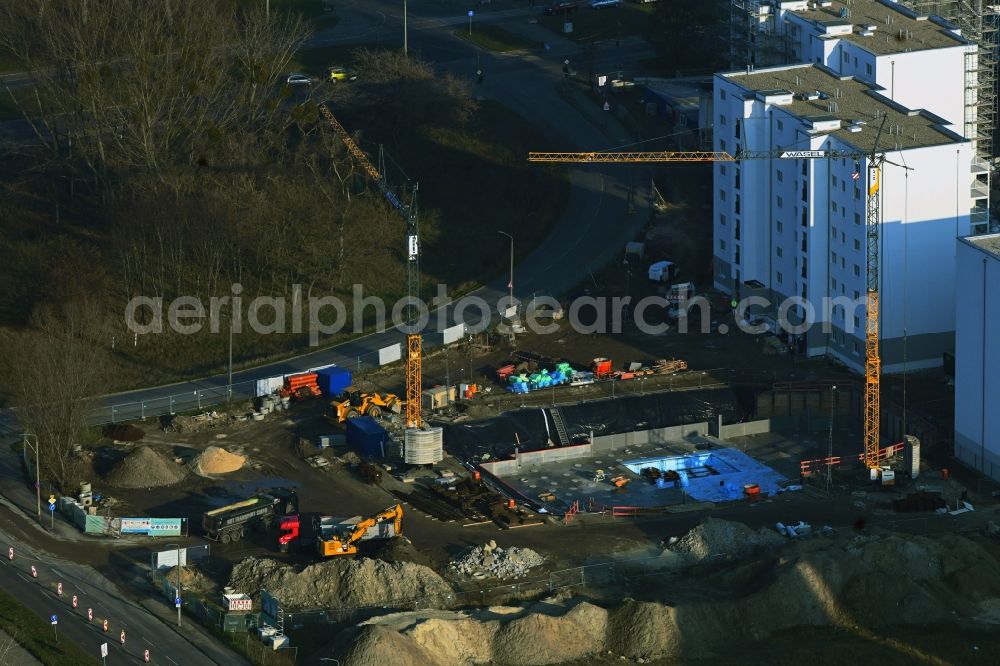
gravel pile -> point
(216, 460)
(490, 560)
(145, 468)
(343, 583)
(716, 537)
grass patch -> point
(494, 38)
(611, 23)
(8, 63)
(36, 636)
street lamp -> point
(38, 478)
(177, 583)
(406, 36)
(510, 285)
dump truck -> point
(334, 544)
(229, 523)
(355, 402)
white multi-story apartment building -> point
(977, 354)
(920, 62)
(797, 227)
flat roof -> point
(906, 31)
(989, 243)
(849, 100)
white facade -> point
(920, 62)
(977, 354)
(798, 226)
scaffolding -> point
(977, 20)
(755, 38)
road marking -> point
(171, 660)
(148, 641)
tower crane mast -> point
(414, 342)
(874, 160)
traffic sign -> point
(74, 601)
(104, 650)
(59, 589)
(52, 499)
(607, 107)
(177, 602)
(52, 507)
(471, 13)
(54, 620)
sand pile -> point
(190, 579)
(145, 468)
(490, 560)
(344, 583)
(216, 460)
(715, 537)
(872, 581)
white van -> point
(601, 4)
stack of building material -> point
(300, 386)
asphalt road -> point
(594, 226)
(143, 630)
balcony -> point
(979, 165)
(979, 190)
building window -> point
(722, 145)
(737, 229)
(780, 176)
(737, 259)
(857, 194)
(843, 186)
(857, 351)
(857, 244)
(857, 295)
(834, 256)
(780, 227)
(722, 94)
(846, 57)
(780, 126)
(834, 232)
(722, 120)
(722, 220)
(857, 323)
(833, 206)
(868, 69)
(857, 270)
(737, 185)
(804, 246)
(722, 244)
(722, 169)
(722, 195)
(736, 206)
(857, 218)
(780, 202)
(778, 252)
(833, 283)
(842, 264)
(738, 125)
(778, 275)
(835, 181)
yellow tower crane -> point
(414, 345)
(874, 161)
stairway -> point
(560, 426)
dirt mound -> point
(716, 537)
(145, 468)
(124, 432)
(216, 460)
(190, 579)
(381, 646)
(870, 581)
(344, 583)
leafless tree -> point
(55, 372)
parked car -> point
(298, 80)
(337, 73)
(561, 7)
(602, 4)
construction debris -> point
(490, 560)
(145, 468)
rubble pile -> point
(490, 560)
(145, 468)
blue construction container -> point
(367, 437)
(333, 380)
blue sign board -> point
(177, 602)
(152, 526)
(54, 620)
(52, 507)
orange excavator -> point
(336, 544)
